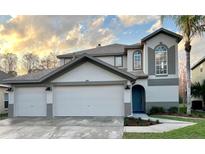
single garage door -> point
(89, 101)
(30, 101)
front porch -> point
(137, 102)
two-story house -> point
(3, 92)
(112, 80)
(198, 75)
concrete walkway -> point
(165, 126)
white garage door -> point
(30, 101)
(89, 101)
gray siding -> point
(171, 60)
(151, 61)
(165, 105)
(127, 109)
(163, 82)
(10, 110)
(49, 110)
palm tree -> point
(190, 26)
(198, 90)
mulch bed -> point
(130, 121)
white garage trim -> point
(89, 83)
(97, 100)
(30, 101)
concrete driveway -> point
(62, 128)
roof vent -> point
(99, 45)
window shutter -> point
(171, 60)
(151, 61)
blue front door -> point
(138, 100)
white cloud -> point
(197, 51)
(93, 35)
(130, 20)
(98, 22)
(156, 26)
(43, 34)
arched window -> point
(161, 60)
(137, 60)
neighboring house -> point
(198, 75)
(3, 92)
(112, 80)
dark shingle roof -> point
(198, 63)
(31, 77)
(108, 50)
(46, 74)
(165, 31)
(4, 75)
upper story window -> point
(161, 60)
(137, 60)
(118, 61)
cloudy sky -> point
(63, 34)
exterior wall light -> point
(48, 89)
(10, 89)
(127, 87)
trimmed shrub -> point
(180, 100)
(182, 110)
(173, 110)
(126, 121)
(156, 110)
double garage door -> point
(71, 101)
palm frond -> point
(190, 25)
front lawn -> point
(191, 132)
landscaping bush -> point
(173, 110)
(3, 115)
(182, 110)
(180, 100)
(156, 110)
(131, 121)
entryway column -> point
(49, 101)
(127, 100)
(11, 103)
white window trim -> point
(121, 61)
(166, 74)
(134, 67)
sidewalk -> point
(165, 126)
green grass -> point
(199, 114)
(191, 132)
(3, 116)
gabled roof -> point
(134, 46)
(112, 50)
(164, 31)
(31, 77)
(198, 63)
(4, 75)
(46, 75)
(108, 50)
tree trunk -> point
(188, 77)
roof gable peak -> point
(164, 31)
